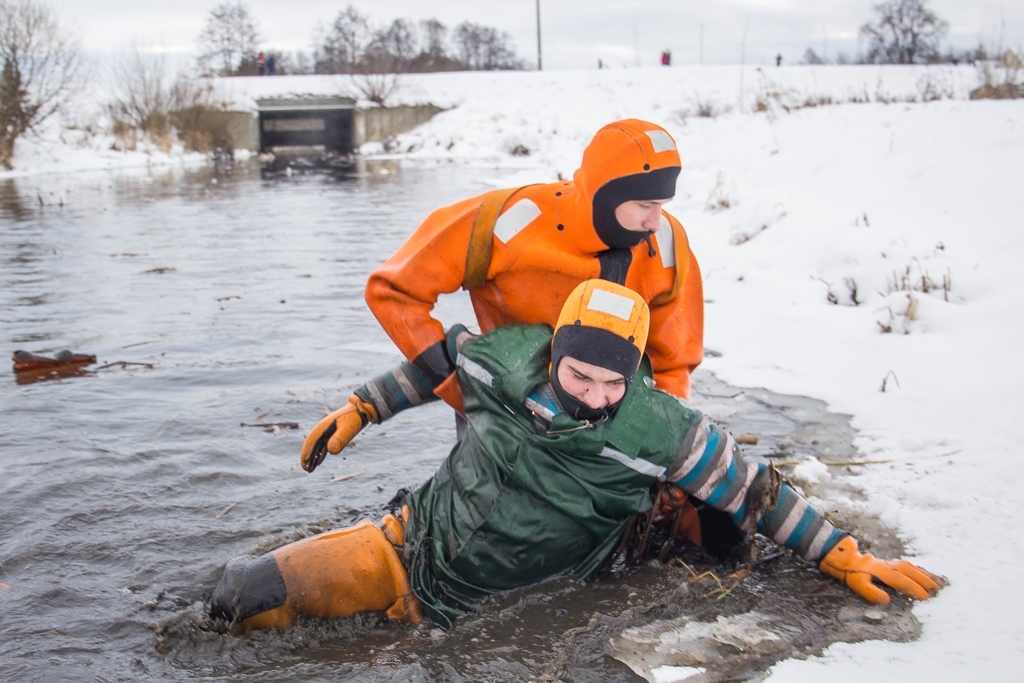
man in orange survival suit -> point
(607, 223)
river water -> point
(217, 298)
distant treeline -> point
(230, 45)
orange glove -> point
(334, 432)
(859, 571)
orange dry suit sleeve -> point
(402, 292)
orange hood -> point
(630, 151)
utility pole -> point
(540, 66)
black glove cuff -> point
(435, 364)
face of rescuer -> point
(640, 215)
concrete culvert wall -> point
(383, 123)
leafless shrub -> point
(1000, 81)
(901, 320)
(706, 110)
(931, 89)
(40, 73)
(885, 380)
(851, 297)
(200, 119)
(718, 198)
(152, 103)
(518, 149)
(141, 97)
(375, 86)
(915, 279)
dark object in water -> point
(30, 367)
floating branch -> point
(226, 510)
(841, 463)
(123, 364)
(269, 426)
(346, 477)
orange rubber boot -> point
(333, 574)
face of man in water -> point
(640, 215)
(592, 385)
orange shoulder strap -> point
(682, 253)
(478, 255)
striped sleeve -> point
(711, 468)
(396, 390)
(797, 525)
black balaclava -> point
(598, 347)
(657, 184)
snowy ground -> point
(818, 230)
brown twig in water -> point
(722, 590)
(746, 439)
(123, 364)
(345, 477)
(269, 426)
(226, 510)
(841, 463)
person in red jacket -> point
(520, 252)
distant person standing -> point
(261, 64)
(778, 59)
(271, 65)
(666, 58)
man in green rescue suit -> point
(565, 439)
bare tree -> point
(906, 32)
(434, 36)
(811, 57)
(229, 41)
(340, 47)
(40, 70)
(141, 93)
(392, 49)
(434, 54)
(482, 48)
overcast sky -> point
(574, 33)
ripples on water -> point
(234, 299)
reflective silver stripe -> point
(666, 240)
(795, 513)
(818, 543)
(383, 412)
(692, 459)
(514, 219)
(611, 303)
(639, 464)
(404, 384)
(660, 140)
(475, 370)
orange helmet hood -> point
(627, 160)
(603, 324)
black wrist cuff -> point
(435, 363)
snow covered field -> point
(865, 252)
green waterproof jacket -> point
(510, 507)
